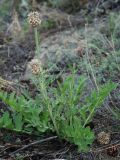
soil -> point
(14, 58)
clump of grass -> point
(102, 54)
(102, 50)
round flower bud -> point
(103, 138)
(35, 66)
(34, 19)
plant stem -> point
(36, 41)
(47, 101)
(52, 118)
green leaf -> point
(7, 121)
(18, 121)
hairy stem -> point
(36, 41)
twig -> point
(33, 143)
(116, 144)
(8, 147)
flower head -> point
(34, 18)
(35, 66)
(103, 138)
